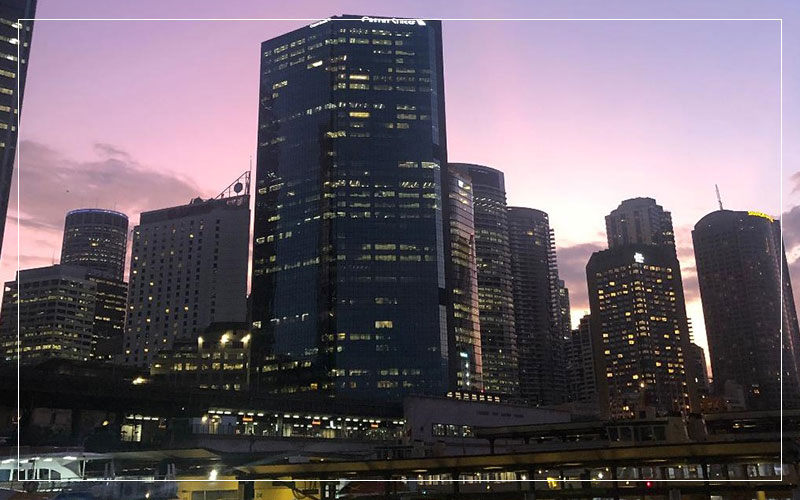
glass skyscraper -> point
(15, 45)
(740, 262)
(466, 360)
(348, 285)
(495, 288)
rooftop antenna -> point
(719, 198)
(238, 187)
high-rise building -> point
(698, 369)
(639, 330)
(566, 315)
(97, 240)
(348, 286)
(55, 308)
(537, 307)
(464, 332)
(581, 384)
(639, 220)
(495, 286)
(188, 270)
(15, 45)
(740, 263)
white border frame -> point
(18, 161)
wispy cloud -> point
(51, 184)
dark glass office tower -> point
(639, 330)
(464, 332)
(740, 260)
(537, 307)
(348, 286)
(495, 291)
(639, 220)
(15, 45)
(97, 240)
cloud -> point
(572, 269)
(791, 228)
(572, 262)
(113, 180)
(691, 287)
(795, 178)
(110, 151)
(791, 239)
(51, 184)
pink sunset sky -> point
(138, 115)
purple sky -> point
(137, 115)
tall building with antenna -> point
(188, 270)
(748, 307)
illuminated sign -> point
(762, 215)
(380, 20)
(638, 258)
(393, 20)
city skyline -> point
(73, 154)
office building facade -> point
(639, 330)
(219, 360)
(495, 285)
(348, 286)
(537, 307)
(15, 45)
(96, 239)
(55, 308)
(740, 263)
(188, 270)
(111, 304)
